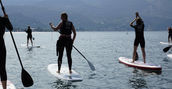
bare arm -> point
(74, 33)
(131, 24)
(56, 28)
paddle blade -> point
(166, 49)
(26, 79)
(91, 66)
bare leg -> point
(68, 51)
(144, 54)
(168, 39)
(4, 84)
(31, 41)
(134, 53)
(136, 57)
(27, 42)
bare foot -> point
(70, 72)
(145, 62)
(58, 71)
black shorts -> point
(139, 41)
(64, 42)
(29, 37)
(170, 36)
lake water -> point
(102, 49)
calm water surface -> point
(101, 48)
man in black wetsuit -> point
(4, 23)
(139, 32)
(66, 28)
(169, 35)
(29, 35)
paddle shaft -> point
(90, 64)
(3, 9)
(80, 52)
(16, 49)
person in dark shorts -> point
(169, 35)
(65, 28)
(4, 23)
(139, 32)
(29, 35)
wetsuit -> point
(29, 34)
(4, 23)
(139, 32)
(65, 41)
(170, 35)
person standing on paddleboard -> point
(4, 23)
(139, 32)
(169, 35)
(66, 28)
(29, 35)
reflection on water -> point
(137, 81)
(29, 48)
(92, 75)
(59, 84)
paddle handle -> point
(16, 49)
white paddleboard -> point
(138, 64)
(30, 46)
(165, 43)
(169, 55)
(64, 73)
(10, 85)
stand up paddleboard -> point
(10, 85)
(169, 55)
(30, 46)
(165, 43)
(64, 73)
(139, 64)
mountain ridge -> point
(90, 15)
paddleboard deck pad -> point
(165, 43)
(10, 85)
(64, 73)
(139, 64)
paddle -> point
(166, 48)
(26, 78)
